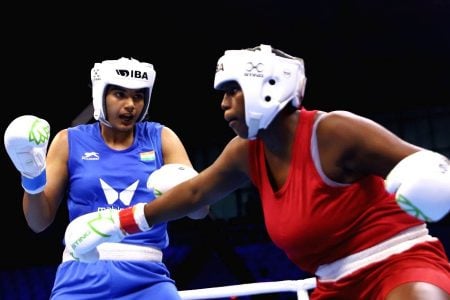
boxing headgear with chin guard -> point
(267, 80)
(123, 72)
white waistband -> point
(397, 244)
(121, 251)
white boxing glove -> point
(86, 232)
(26, 140)
(421, 183)
(170, 175)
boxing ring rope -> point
(301, 287)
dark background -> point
(362, 56)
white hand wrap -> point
(421, 183)
(26, 140)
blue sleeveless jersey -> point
(103, 178)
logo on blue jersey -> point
(90, 156)
(124, 196)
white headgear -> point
(268, 82)
(123, 72)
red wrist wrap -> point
(127, 222)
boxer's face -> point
(124, 106)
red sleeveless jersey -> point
(316, 222)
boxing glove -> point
(421, 184)
(86, 232)
(170, 175)
(26, 139)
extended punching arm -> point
(86, 232)
(421, 183)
